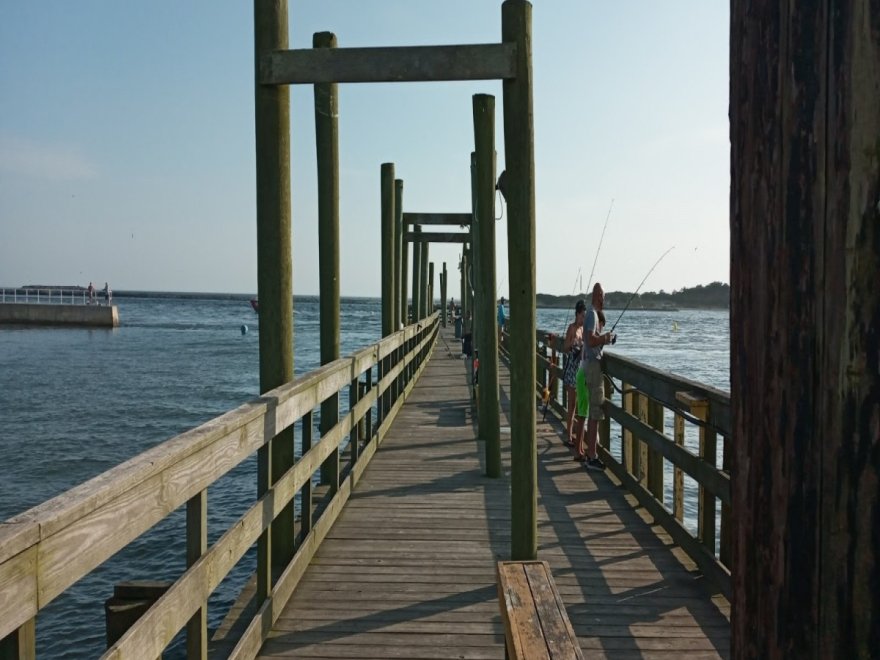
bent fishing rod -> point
(632, 297)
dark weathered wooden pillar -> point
(444, 302)
(484, 220)
(516, 27)
(464, 287)
(423, 279)
(403, 249)
(430, 308)
(274, 274)
(474, 259)
(486, 319)
(805, 313)
(390, 285)
(327, 151)
(417, 276)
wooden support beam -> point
(327, 156)
(274, 274)
(401, 251)
(437, 237)
(388, 64)
(484, 189)
(455, 219)
(519, 143)
(416, 274)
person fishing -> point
(572, 346)
(588, 381)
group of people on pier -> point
(108, 294)
(582, 377)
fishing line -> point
(628, 302)
(601, 238)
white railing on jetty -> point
(47, 549)
(52, 296)
(638, 397)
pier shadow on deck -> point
(408, 570)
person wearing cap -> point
(572, 346)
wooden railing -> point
(47, 549)
(638, 398)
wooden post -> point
(706, 507)
(274, 274)
(640, 449)
(474, 260)
(354, 434)
(403, 250)
(678, 473)
(444, 303)
(327, 156)
(805, 309)
(196, 546)
(519, 147)
(305, 516)
(21, 644)
(430, 296)
(725, 541)
(416, 275)
(655, 458)
(390, 285)
(605, 424)
(464, 295)
(626, 450)
(423, 278)
(389, 281)
(484, 217)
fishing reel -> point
(613, 338)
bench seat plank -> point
(536, 625)
(558, 632)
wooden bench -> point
(536, 626)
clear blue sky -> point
(127, 141)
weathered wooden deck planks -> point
(408, 570)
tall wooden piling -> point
(430, 308)
(274, 273)
(444, 278)
(390, 285)
(402, 250)
(423, 277)
(464, 296)
(416, 276)
(327, 157)
(805, 309)
(516, 27)
(484, 219)
(474, 259)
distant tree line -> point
(703, 296)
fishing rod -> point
(601, 238)
(632, 297)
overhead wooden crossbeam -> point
(389, 64)
(459, 219)
(437, 237)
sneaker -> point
(595, 463)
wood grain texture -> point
(805, 257)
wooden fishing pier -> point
(382, 537)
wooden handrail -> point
(46, 549)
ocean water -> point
(76, 402)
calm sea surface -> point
(76, 402)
